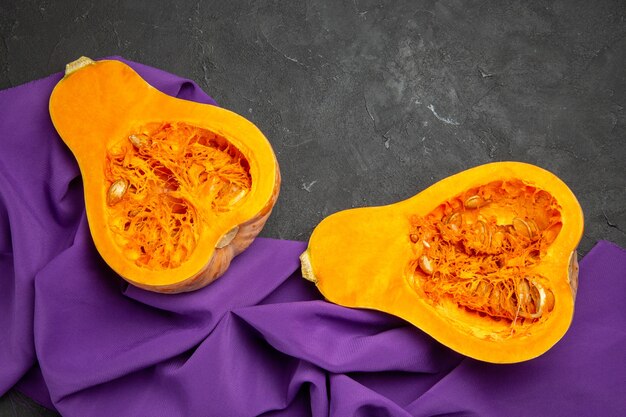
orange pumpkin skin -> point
(174, 189)
(484, 261)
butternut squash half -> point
(484, 261)
(173, 189)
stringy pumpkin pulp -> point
(479, 249)
(165, 182)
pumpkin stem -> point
(74, 66)
(306, 267)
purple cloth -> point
(257, 341)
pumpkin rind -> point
(104, 110)
(377, 258)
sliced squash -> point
(484, 261)
(173, 189)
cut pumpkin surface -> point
(173, 189)
(484, 261)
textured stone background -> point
(369, 102)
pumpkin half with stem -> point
(484, 261)
(173, 189)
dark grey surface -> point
(369, 102)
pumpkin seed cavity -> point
(479, 250)
(163, 182)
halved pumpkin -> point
(484, 261)
(173, 189)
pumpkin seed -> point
(535, 299)
(138, 140)
(237, 197)
(455, 220)
(483, 289)
(523, 292)
(426, 265)
(473, 202)
(538, 295)
(551, 232)
(495, 299)
(549, 302)
(534, 229)
(522, 228)
(116, 192)
(483, 234)
(497, 239)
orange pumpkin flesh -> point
(484, 261)
(173, 189)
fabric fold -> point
(344, 340)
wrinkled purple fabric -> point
(258, 341)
